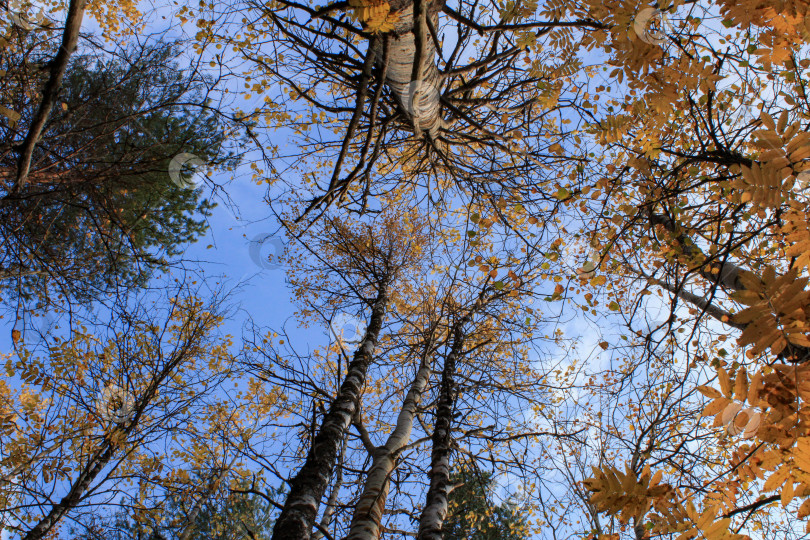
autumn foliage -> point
(545, 262)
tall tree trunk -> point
(326, 518)
(432, 519)
(58, 67)
(75, 494)
(307, 488)
(367, 518)
(411, 72)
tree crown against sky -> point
(110, 196)
(474, 515)
(640, 166)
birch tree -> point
(369, 510)
(421, 93)
(366, 259)
(436, 500)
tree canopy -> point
(543, 270)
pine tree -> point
(102, 204)
(473, 515)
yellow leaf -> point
(598, 280)
(13, 116)
(787, 492)
(767, 121)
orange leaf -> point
(804, 510)
(787, 492)
(725, 382)
(715, 406)
(709, 392)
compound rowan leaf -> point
(715, 406)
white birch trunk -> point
(419, 95)
(436, 503)
(367, 518)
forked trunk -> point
(307, 488)
(367, 518)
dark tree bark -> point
(307, 488)
(436, 501)
(58, 67)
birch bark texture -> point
(308, 486)
(367, 518)
(436, 501)
(331, 503)
(411, 72)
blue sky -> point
(262, 293)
